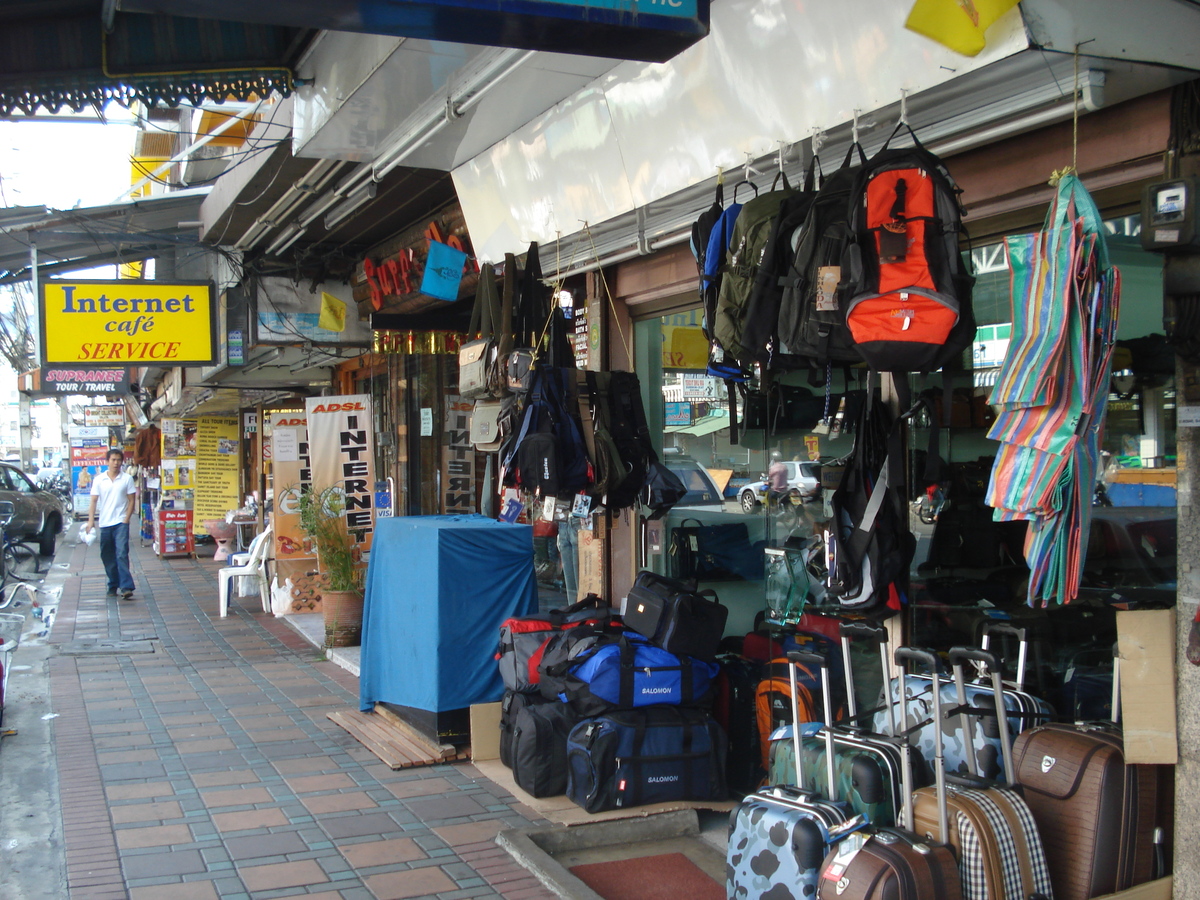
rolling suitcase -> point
(868, 766)
(735, 711)
(1000, 854)
(982, 741)
(1096, 814)
(893, 863)
(779, 836)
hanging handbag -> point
(491, 422)
(529, 323)
(478, 375)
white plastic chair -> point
(251, 564)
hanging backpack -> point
(871, 546)
(548, 455)
(701, 232)
(618, 438)
(908, 294)
(761, 317)
(812, 313)
(747, 245)
(715, 256)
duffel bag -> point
(567, 647)
(539, 747)
(510, 707)
(625, 671)
(675, 617)
(654, 755)
(523, 640)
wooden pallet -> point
(397, 744)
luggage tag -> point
(828, 278)
(548, 506)
(562, 510)
(844, 852)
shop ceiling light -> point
(287, 237)
(351, 204)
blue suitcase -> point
(779, 836)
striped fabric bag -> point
(1052, 390)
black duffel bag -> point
(717, 552)
(539, 747)
(654, 755)
(676, 617)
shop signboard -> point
(287, 451)
(104, 416)
(59, 381)
(678, 413)
(458, 460)
(700, 387)
(217, 469)
(127, 323)
(341, 445)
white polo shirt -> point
(112, 496)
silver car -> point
(38, 515)
(802, 477)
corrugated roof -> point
(74, 239)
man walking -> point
(113, 497)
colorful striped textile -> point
(1052, 390)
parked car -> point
(804, 477)
(702, 490)
(39, 514)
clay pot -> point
(343, 611)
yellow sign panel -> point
(128, 323)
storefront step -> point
(311, 626)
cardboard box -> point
(1146, 643)
(485, 731)
(1152, 890)
(591, 564)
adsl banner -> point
(128, 323)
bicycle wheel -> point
(20, 561)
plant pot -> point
(343, 611)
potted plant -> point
(321, 518)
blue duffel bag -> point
(626, 671)
(654, 755)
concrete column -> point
(1187, 676)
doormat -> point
(398, 745)
(667, 876)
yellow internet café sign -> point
(128, 323)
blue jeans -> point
(114, 551)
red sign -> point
(397, 275)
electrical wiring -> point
(246, 156)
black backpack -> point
(548, 455)
(872, 546)
(617, 435)
(906, 291)
(812, 314)
(701, 231)
(761, 316)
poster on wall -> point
(217, 469)
(104, 416)
(288, 452)
(89, 448)
(458, 462)
(341, 447)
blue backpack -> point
(548, 456)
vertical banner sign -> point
(89, 447)
(341, 446)
(217, 469)
(458, 462)
(288, 453)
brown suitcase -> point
(1095, 813)
(891, 863)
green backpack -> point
(747, 244)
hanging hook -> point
(784, 147)
(750, 170)
(854, 128)
(720, 175)
(818, 140)
(903, 106)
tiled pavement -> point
(209, 770)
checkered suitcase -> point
(992, 830)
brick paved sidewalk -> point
(208, 769)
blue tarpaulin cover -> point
(438, 588)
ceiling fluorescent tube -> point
(289, 236)
(351, 204)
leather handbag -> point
(477, 370)
(518, 369)
(490, 423)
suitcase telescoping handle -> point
(871, 632)
(1116, 694)
(992, 666)
(990, 628)
(928, 659)
(821, 663)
